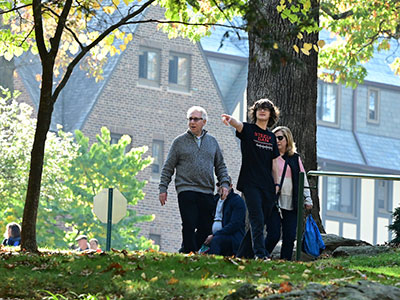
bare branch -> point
(14, 9)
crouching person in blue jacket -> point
(229, 225)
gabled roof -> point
(228, 57)
(81, 92)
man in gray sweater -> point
(195, 155)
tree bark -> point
(46, 105)
(293, 87)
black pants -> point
(259, 205)
(197, 210)
(288, 225)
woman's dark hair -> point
(265, 104)
(15, 229)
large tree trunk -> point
(293, 87)
(28, 234)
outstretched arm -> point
(229, 120)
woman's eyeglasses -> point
(280, 137)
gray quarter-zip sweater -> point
(194, 165)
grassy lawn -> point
(158, 275)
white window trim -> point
(335, 124)
(378, 104)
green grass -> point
(157, 275)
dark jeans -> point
(221, 245)
(197, 210)
(288, 224)
(259, 205)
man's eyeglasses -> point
(280, 137)
(194, 119)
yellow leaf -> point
(296, 48)
(307, 46)
(74, 48)
(276, 46)
(154, 279)
(143, 275)
(8, 55)
(305, 51)
(116, 2)
(122, 47)
(126, 2)
(18, 51)
(113, 50)
(315, 48)
(96, 5)
(241, 267)
(109, 9)
(299, 35)
(173, 281)
(280, 8)
(321, 43)
(284, 277)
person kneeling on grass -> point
(229, 225)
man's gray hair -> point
(199, 109)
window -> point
(158, 155)
(341, 195)
(373, 105)
(382, 195)
(149, 67)
(115, 137)
(179, 71)
(327, 103)
(156, 238)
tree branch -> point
(29, 33)
(86, 49)
(14, 9)
(55, 41)
(38, 23)
(183, 23)
(324, 7)
(226, 17)
(67, 28)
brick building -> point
(145, 93)
(148, 88)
